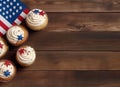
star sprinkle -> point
(7, 63)
(42, 13)
(7, 73)
(21, 51)
(20, 37)
(1, 45)
(36, 11)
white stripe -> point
(2, 30)
(23, 15)
(17, 21)
(5, 21)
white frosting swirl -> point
(35, 19)
(4, 68)
(13, 33)
(27, 56)
(3, 48)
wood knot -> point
(77, 27)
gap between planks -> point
(52, 60)
(75, 5)
(65, 79)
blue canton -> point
(11, 9)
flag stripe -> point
(2, 30)
(3, 25)
(14, 24)
(17, 21)
(5, 21)
(11, 14)
(26, 11)
(23, 14)
(20, 18)
(1, 34)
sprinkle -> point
(20, 37)
(36, 11)
(7, 63)
(21, 51)
(7, 73)
(42, 13)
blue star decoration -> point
(19, 37)
(36, 11)
(7, 73)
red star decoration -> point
(7, 63)
(1, 45)
(21, 51)
(42, 13)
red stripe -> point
(20, 18)
(3, 25)
(14, 24)
(1, 34)
(26, 11)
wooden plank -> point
(67, 60)
(69, 22)
(63, 32)
(75, 5)
(74, 41)
(65, 79)
(59, 22)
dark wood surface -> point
(79, 48)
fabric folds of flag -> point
(12, 12)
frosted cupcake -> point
(26, 55)
(7, 70)
(17, 35)
(3, 47)
(37, 19)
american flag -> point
(12, 12)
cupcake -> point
(37, 19)
(25, 55)
(3, 47)
(7, 70)
(17, 35)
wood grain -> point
(75, 41)
(65, 79)
(75, 5)
(79, 48)
(73, 50)
(69, 22)
(72, 60)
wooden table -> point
(79, 48)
